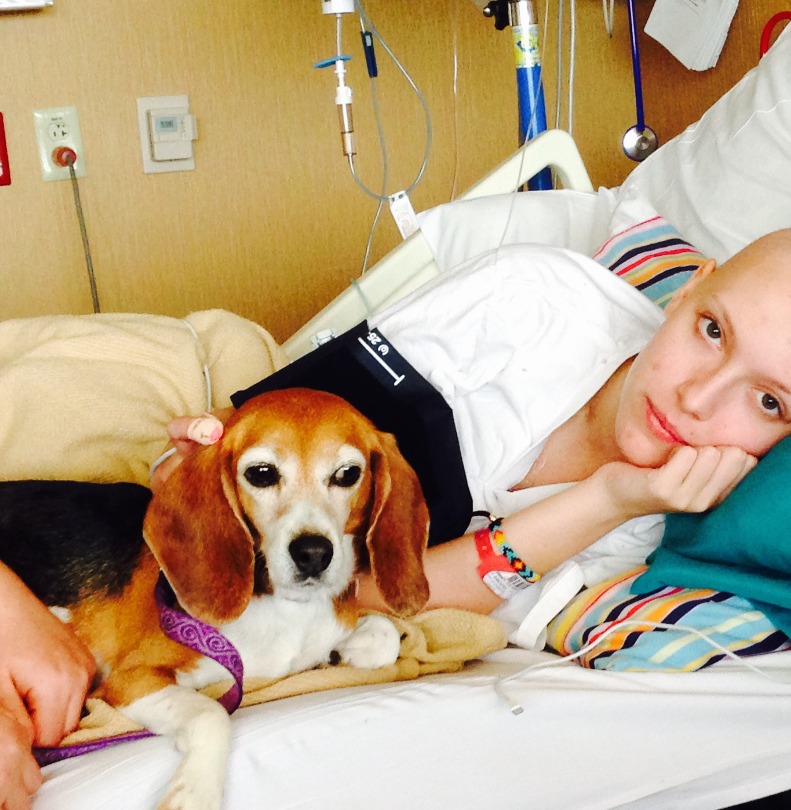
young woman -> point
(579, 412)
(582, 414)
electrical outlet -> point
(56, 128)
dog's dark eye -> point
(262, 475)
(346, 476)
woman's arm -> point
(544, 535)
(551, 531)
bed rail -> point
(411, 263)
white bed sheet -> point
(586, 739)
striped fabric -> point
(652, 256)
(729, 620)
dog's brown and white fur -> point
(260, 534)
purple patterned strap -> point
(186, 630)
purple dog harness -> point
(186, 630)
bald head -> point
(769, 254)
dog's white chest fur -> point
(276, 637)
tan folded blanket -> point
(88, 397)
(437, 641)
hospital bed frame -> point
(411, 263)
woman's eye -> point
(262, 475)
(769, 403)
(346, 476)
(711, 329)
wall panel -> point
(270, 224)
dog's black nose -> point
(312, 553)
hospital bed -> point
(585, 739)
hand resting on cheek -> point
(692, 480)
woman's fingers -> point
(695, 479)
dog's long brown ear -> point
(399, 530)
(196, 531)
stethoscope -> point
(766, 34)
(638, 141)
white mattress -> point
(586, 739)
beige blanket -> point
(433, 642)
(88, 397)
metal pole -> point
(530, 90)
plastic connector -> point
(370, 54)
(343, 101)
(337, 6)
(64, 156)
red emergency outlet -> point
(5, 168)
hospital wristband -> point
(496, 570)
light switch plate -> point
(164, 156)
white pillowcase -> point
(726, 180)
(461, 230)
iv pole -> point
(520, 15)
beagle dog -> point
(260, 534)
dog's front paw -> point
(182, 795)
(375, 642)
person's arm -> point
(45, 673)
(44, 667)
(20, 776)
(553, 530)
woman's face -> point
(718, 371)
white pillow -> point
(726, 180)
(461, 230)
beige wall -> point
(270, 224)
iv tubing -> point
(429, 128)
(385, 168)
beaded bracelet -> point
(517, 563)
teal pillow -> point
(742, 546)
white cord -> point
(516, 707)
(421, 98)
(559, 60)
(607, 11)
(369, 311)
(456, 145)
(204, 366)
(532, 119)
(209, 393)
(572, 65)
(572, 61)
(385, 169)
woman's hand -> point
(693, 480)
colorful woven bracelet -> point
(498, 571)
(517, 563)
